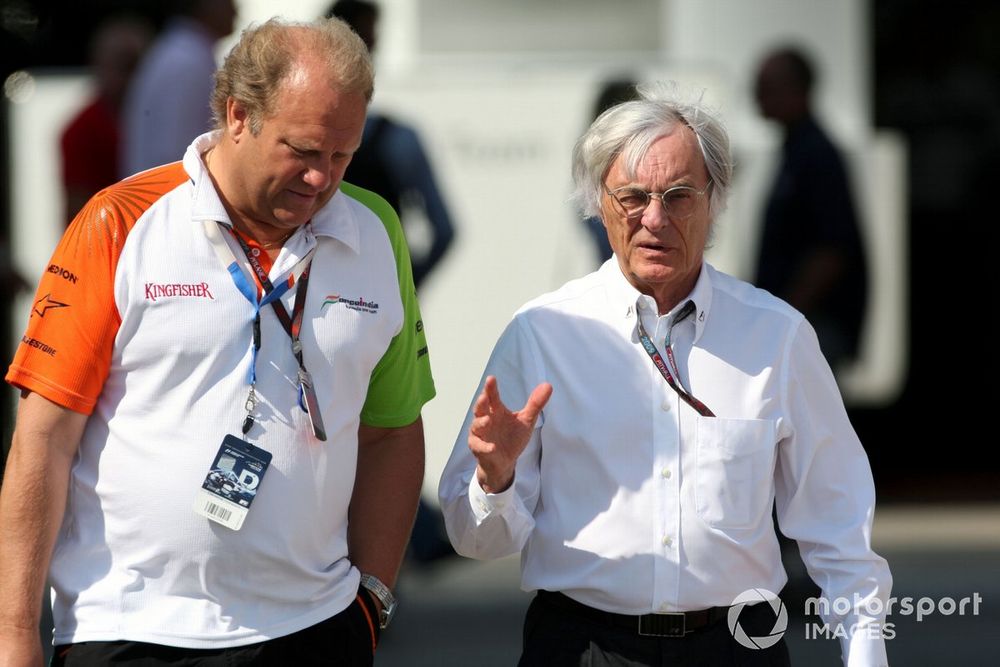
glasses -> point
(678, 202)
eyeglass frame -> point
(651, 195)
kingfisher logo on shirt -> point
(360, 304)
(156, 291)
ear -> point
(237, 119)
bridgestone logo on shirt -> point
(161, 290)
(38, 345)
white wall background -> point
(500, 91)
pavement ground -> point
(459, 612)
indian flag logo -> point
(330, 300)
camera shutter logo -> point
(757, 596)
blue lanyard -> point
(292, 324)
(243, 285)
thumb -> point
(533, 407)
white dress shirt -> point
(629, 501)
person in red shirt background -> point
(89, 144)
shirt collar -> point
(623, 296)
(206, 204)
(337, 219)
(702, 297)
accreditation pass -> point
(231, 484)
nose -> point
(654, 217)
(318, 176)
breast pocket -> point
(734, 471)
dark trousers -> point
(555, 636)
(345, 639)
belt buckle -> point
(671, 624)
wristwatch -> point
(384, 595)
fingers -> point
(492, 391)
(536, 402)
(489, 403)
(482, 405)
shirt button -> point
(666, 405)
(667, 541)
(664, 607)
(666, 473)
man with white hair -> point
(667, 408)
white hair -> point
(630, 128)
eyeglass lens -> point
(677, 202)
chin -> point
(656, 273)
(292, 219)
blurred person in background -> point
(392, 163)
(90, 144)
(242, 296)
(667, 407)
(169, 99)
(811, 253)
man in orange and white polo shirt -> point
(219, 451)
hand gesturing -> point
(498, 436)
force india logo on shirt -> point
(360, 304)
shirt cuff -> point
(485, 504)
(865, 647)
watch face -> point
(386, 616)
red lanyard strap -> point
(661, 365)
(295, 325)
(265, 283)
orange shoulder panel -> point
(65, 354)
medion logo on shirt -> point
(156, 291)
(65, 274)
(360, 304)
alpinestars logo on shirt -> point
(156, 291)
(47, 303)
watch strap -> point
(388, 601)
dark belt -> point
(670, 624)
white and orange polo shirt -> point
(139, 324)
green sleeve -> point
(401, 382)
